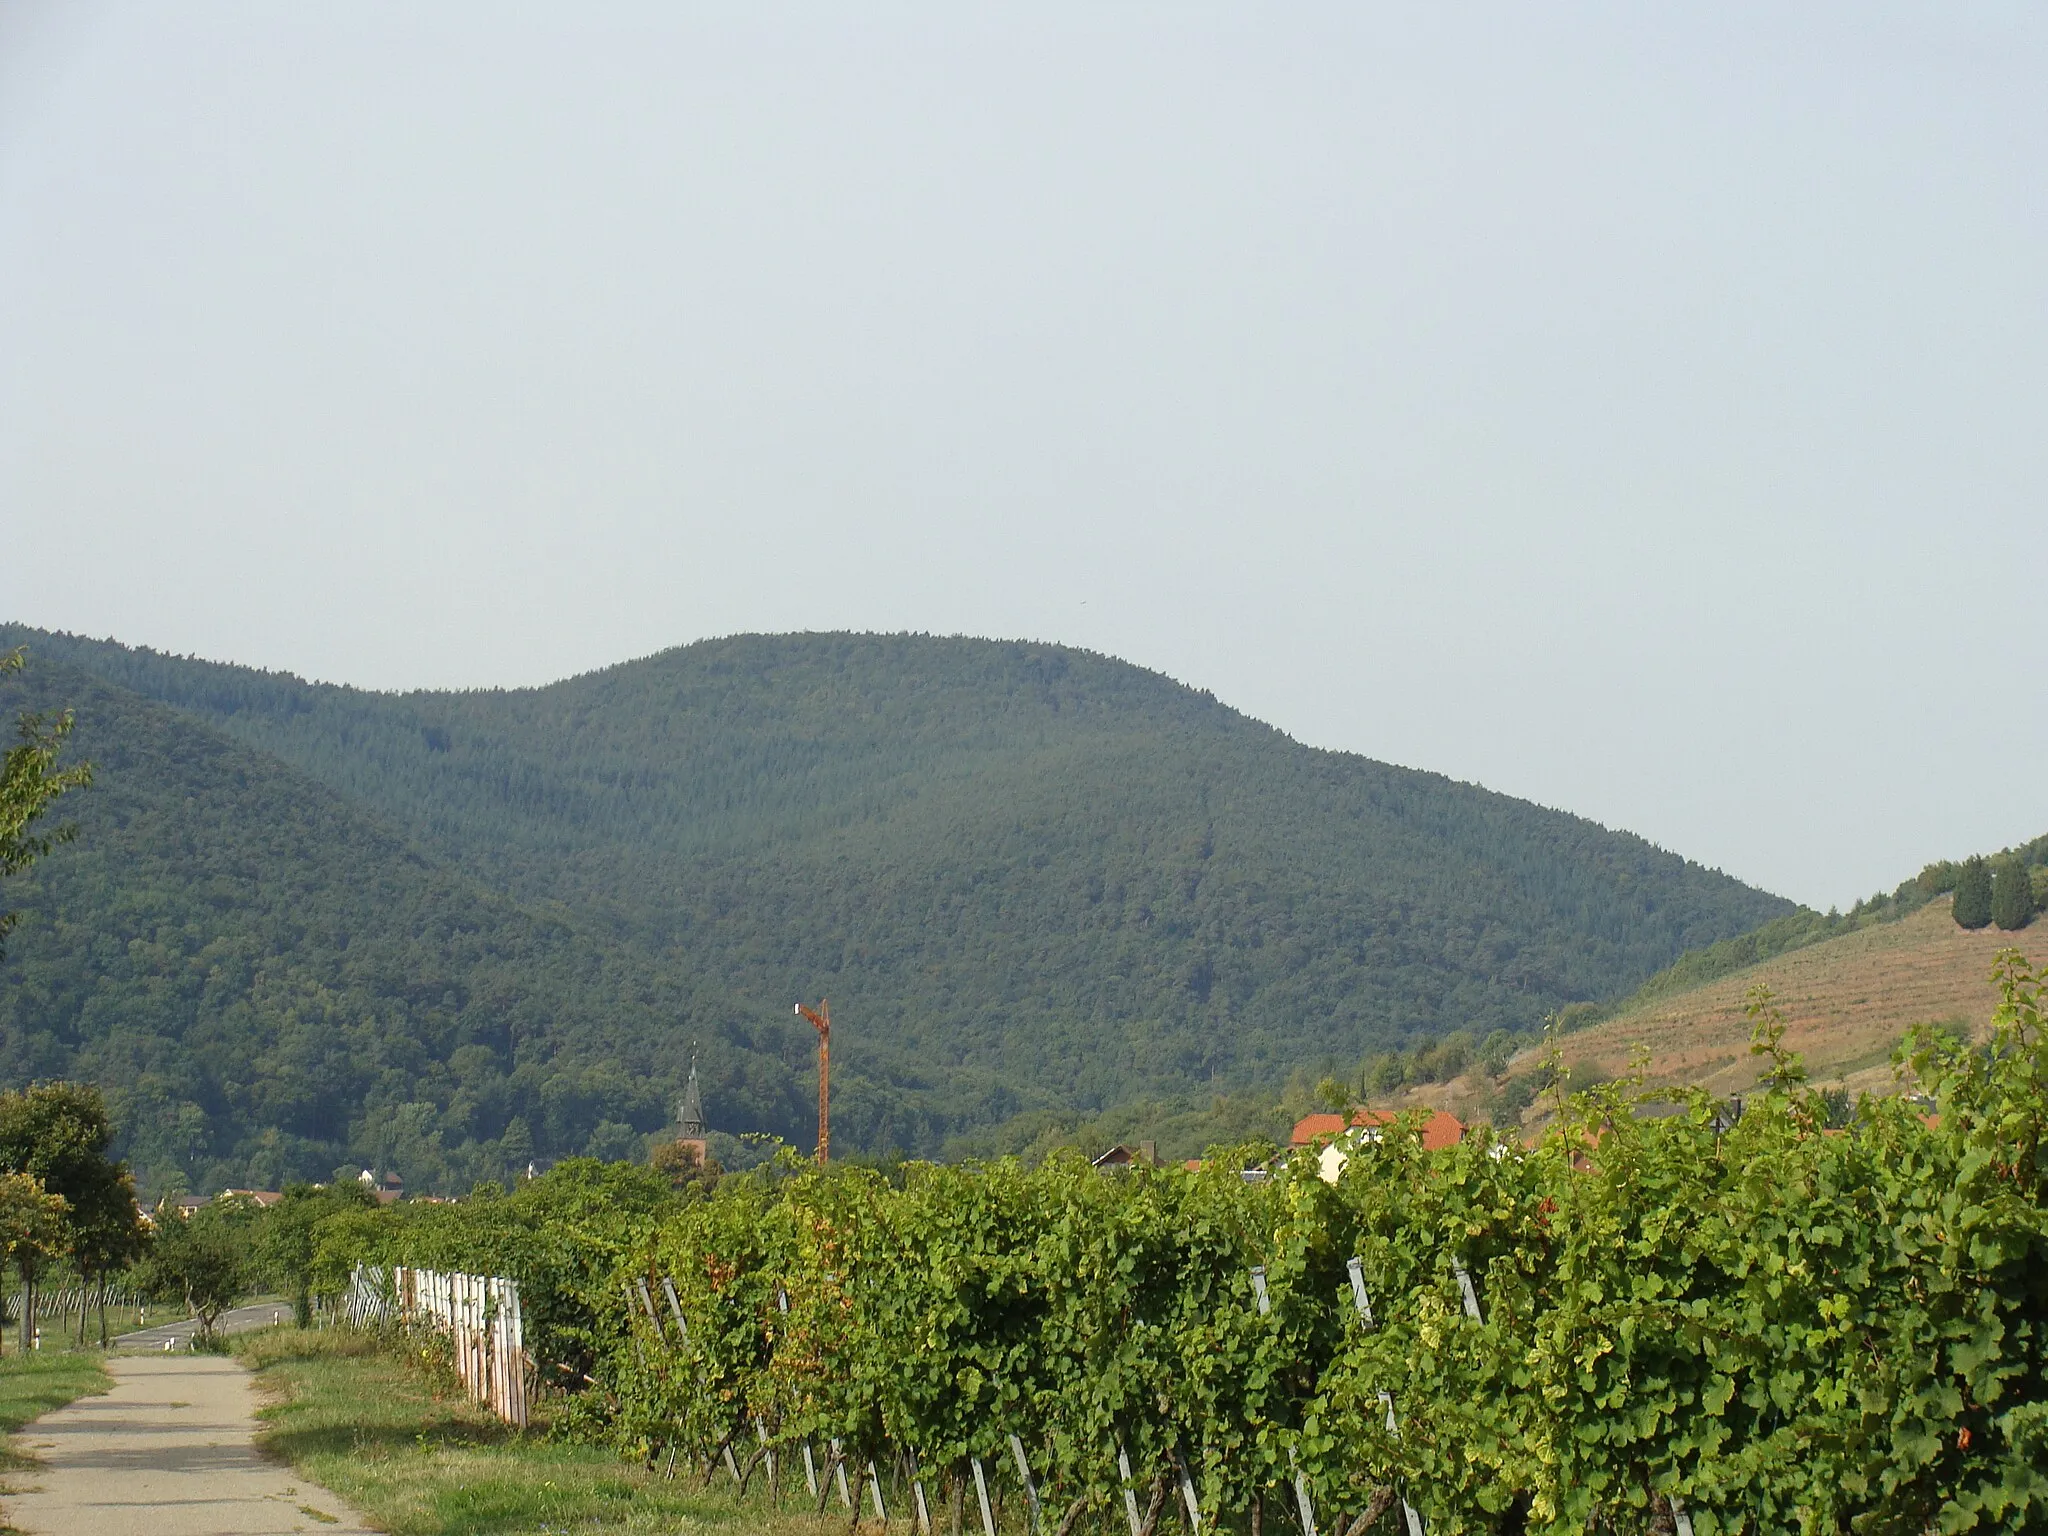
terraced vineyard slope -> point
(1847, 1003)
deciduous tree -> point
(288, 1235)
(60, 1134)
(207, 1259)
(31, 1229)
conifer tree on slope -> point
(1973, 894)
(2012, 895)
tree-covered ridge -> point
(269, 982)
(1027, 877)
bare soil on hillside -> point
(1848, 1003)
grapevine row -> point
(1653, 1318)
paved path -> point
(179, 1334)
(169, 1452)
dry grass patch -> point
(1848, 1002)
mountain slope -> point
(1026, 876)
(270, 981)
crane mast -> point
(821, 1020)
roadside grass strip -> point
(40, 1382)
(32, 1385)
(395, 1436)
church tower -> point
(690, 1115)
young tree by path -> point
(29, 780)
(207, 1259)
(31, 1231)
(106, 1238)
(59, 1134)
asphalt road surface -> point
(177, 1336)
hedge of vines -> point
(1763, 1325)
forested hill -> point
(1024, 874)
(269, 981)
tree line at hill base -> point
(1181, 1127)
(69, 1219)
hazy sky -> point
(1642, 409)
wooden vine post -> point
(1301, 1495)
(1355, 1268)
(988, 1518)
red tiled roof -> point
(1440, 1130)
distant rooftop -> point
(1440, 1130)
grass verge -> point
(397, 1439)
(32, 1385)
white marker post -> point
(875, 1488)
(767, 1453)
(917, 1498)
(668, 1289)
(1465, 1287)
(839, 1475)
(1356, 1269)
(1408, 1511)
(1194, 1505)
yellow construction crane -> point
(821, 1020)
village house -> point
(1335, 1136)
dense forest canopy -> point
(446, 932)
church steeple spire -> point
(690, 1112)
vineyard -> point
(1667, 1316)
